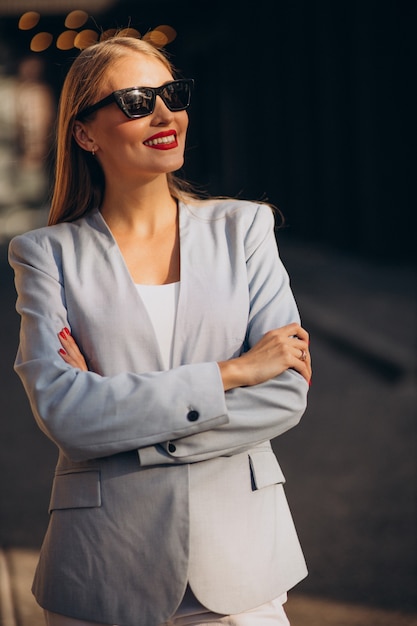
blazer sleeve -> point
(260, 412)
(85, 414)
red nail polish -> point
(309, 382)
(62, 334)
(67, 331)
(62, 351)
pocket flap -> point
(76, 490)
(265, 468)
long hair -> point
(79, 180)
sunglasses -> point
(138, 102)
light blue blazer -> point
(163, 479)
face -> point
(140, 148)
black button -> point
(193, 415)
(172, 447)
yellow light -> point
(85, 38)
(169, 32)
(160, 36)
(108, 34)
(76, 19)
(129, 32)
(66, 40)
(41, 42)
(29, 20)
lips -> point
(165, 140)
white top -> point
(161, 304)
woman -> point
(180, 357)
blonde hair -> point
(79, 180)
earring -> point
(93, 152)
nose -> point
(161, 114)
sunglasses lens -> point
(138, 102)
(176, 95)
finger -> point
(295, 331)
(67, 350)
(300, 347)
(70, 352)
(304, 370)
(309, 368)
(68, 343)
(67, 358)
(302, 353)
(302, 361)
(78, 362)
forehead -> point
(138, 70)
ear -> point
(83, 138)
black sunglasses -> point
(140, 101)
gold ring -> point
(303, 355)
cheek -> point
(184, 121)
(117, 128)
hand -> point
(278, 350)
(70, 352)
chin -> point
(176, 165)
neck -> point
(142, 209)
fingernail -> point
(67, 331)
(62, 351)
(62, 334)
(309, 382)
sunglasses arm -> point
(94, 107)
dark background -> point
(308, 104)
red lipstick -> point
(165, 140)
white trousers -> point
(269, 614)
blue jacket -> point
(162, 477)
